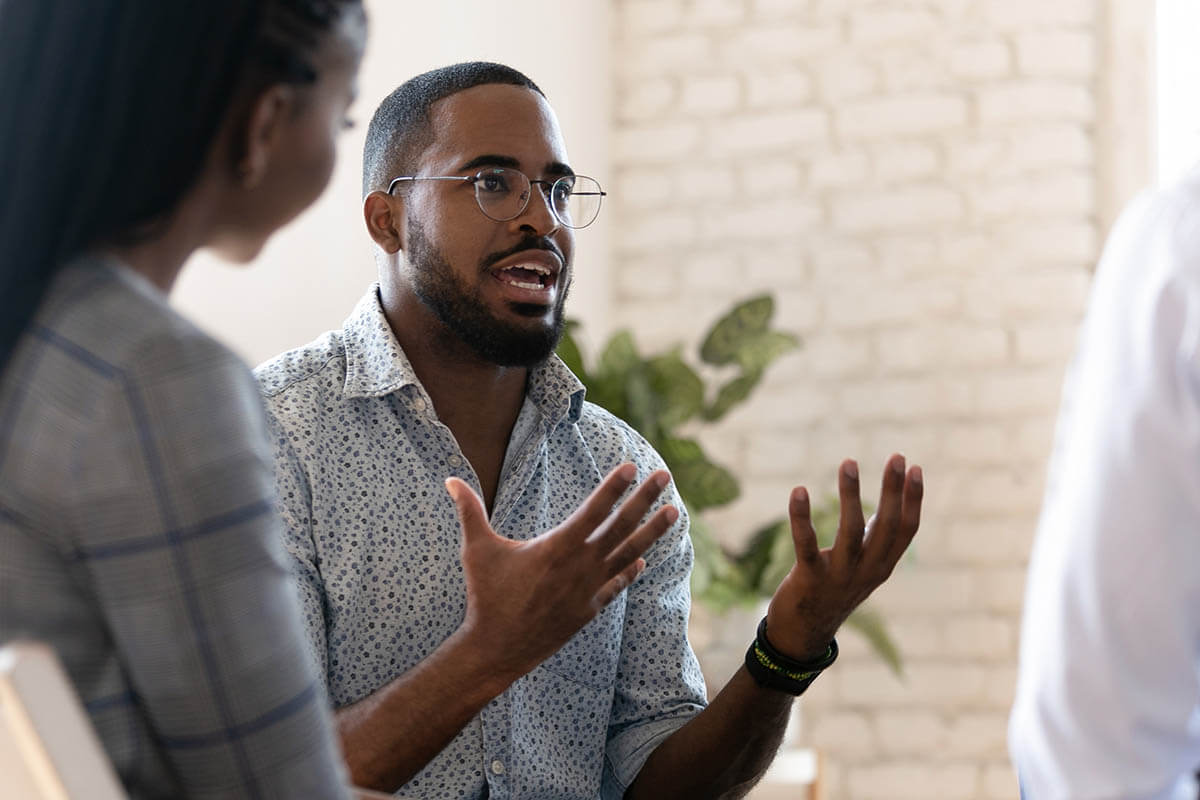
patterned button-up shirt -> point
(361, 461)
(138, 537)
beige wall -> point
(920, 184)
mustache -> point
(528, 243)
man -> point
(1108, 698)
(505, 673)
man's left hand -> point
(824, 586)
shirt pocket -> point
(590, 657)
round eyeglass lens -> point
(576, 200)
(501, 193)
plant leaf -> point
(720, 595)
(757, 352)
(870, 625)
(606, 386)
(607, 391)
(703, 485)
(619, 355)
(700, 482)
(677, 451)
(640, 405)
(783, 558)
(759, 553)
(727, 336)
(677, 388)
(705, 555)
(716, 581)
(732, 394)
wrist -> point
(798, 645)
(475, 665)
(772, 669)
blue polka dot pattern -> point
(361, 459)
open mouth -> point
(532, 277)
(529, 277)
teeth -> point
(538, 268)
(524, 285)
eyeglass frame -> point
(474, 179)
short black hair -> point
(399, 129)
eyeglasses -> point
(503, 194)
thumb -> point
(472, 517)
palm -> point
(526, 599)
(826, 585)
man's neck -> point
(478, 401)
(475, 401)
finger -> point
(640, 540)
(617, 584)
(592, 513)
(887, 516)
(472, 516)
(910, 513)
(847, 547)
(620, 526)
(804, 538)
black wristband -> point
(772, 669)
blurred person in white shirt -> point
(1108, 696)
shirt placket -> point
(496, 717)
(495, 722)
(513, 487)
(453, 462)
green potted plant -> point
(658, 394)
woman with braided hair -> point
(138, 531)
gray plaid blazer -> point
(138, 536)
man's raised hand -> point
(824, 586)
(526, 599)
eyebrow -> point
(495, 160)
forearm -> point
(723, 751)
(390, 735)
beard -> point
(463, 311)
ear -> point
(262, 134)
(385, 218)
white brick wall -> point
(906, 115)
(917, 183)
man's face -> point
(498, 287)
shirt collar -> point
(377, 366)
(555, 390)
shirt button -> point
(454, 462)
(419, 404)
(498, 767)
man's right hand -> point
(526, 599)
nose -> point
(538, 217)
